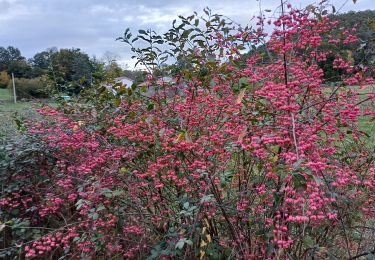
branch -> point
(363, 254)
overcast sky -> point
(93, 25)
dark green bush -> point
(30, 88)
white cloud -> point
(101, 10)
(13, 9)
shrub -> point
(253, 161)
(4, 79)
(30, 88)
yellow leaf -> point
(204, 230)
(372, 25)
(123, 170)
(143, 119)
(275, 149)
(274, 159)
(122, 90)
(180, 138)
(208, 236)
(240, 96)
(206, 222)
(242, 135)
(117, 102)
(202, 253)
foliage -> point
(11, 61)
(227, 160)
(4, 79)
(363, 53)
(139, 76)
(9, 54)
(71, 70)
(30, 88)
(18, 155)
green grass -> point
(9, 110)
(5, 94)
(6, 102)
(11, 107)
(8, 106)
(365, 124)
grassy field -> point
(365, 124)
(7, 105)
(5, 94)
(8, 128)
(9, 110)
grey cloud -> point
(4, 6)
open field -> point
(365, 123)
(7, 105)
(8, 128)
(9, 110)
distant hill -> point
(364, 22)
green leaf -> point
(243, 82)
(299, 181)
(180, 244)
(317, 179)
(100, 207)
(297, 164)
(150, 106)
(186, 33)
(207, 198)
(79, 204)
(95, 216)
(308, 241)
(15, 212)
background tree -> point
(41, 62)
(71, 70)
(12, 61)
(4, 79)
(362, 25)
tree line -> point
(55, 70)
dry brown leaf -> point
(240, 96)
